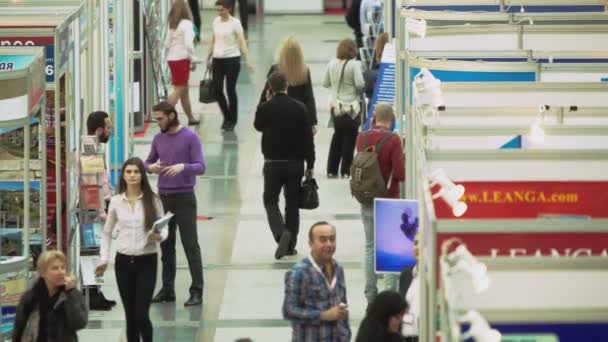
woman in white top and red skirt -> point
(131, 216)
(180, 52)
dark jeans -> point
(243, 13)
(136, 277)
(227, 69)
(183, 205)
(287, 175)
(342, 145)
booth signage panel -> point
(48, 42)
(497, 200)
(384, 89)
(15, 62)
(11, 292)
(551, 244)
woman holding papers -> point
(131, 216)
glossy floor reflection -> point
(243, 283)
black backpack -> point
(366, 181)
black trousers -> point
(183, 205)
(227, 69)
(196, 17)
(136, 277)
(286, 176)
(342, 145)
(243, 13)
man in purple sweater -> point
(176, 157)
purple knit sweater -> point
(181, 147)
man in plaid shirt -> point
(315, 291)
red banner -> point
(26, 41)
(566, 245)
(530, 200)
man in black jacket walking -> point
(287, 142)
(352, 19)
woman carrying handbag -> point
(345, 79)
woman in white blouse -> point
(227, 45)
(344, 76)
(130, 216)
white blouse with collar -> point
(131, 237)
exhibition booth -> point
(502, 107)
(22, 174)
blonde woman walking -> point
(291, 62)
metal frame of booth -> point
(31, 79)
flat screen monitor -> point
(395, 227)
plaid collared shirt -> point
(307, 294)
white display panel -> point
(550, 76)
(495, 142)
(544, 290)
(466, 42)
(528, 170)
(561, 41)
(293, 7)
(14, 108)
(505, 99)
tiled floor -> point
(243, 282)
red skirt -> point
(180, 72)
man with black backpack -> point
(376, 171)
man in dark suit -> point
(287, 142)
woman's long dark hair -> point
(374, 326)
(148, 196)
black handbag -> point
(309, 196)
(206, 93)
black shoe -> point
(164, 297)
(193, 122)
(229, 128)
(195, 299)
(283, 245)
(98, 305)
(331, 175)
(292, 252)
(105, 300)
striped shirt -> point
(307, 294)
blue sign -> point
(478, 76)
(384, 91)
(566, 332)
(49, 68)
(8, 318)
(514, 143)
